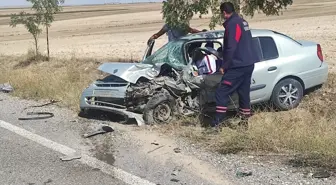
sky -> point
(6, 3)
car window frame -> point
(260, 48)
(260, 45)
(182, 63)
(185, 49)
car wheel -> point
(159, 109)
(287, 94)
(84, 113)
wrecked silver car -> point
(165, 84)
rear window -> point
(268, 47)
(287, 37)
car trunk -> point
(314, 49)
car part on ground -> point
(43, 105)
(47, 115)
(71, 157)
(102, 129)
(6, 88)
(38, 114)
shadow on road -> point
(106, 116)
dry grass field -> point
(123, 30)
(84, 37)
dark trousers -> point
(237, 79)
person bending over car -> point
(174, 33)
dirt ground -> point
(109, 31)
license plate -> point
(104, 93)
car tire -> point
(287, 94)
(160, 109)
(84, 113)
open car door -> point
(149, 49)
(211, 82)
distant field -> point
(75, 12)
(103, 31)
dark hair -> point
(197, 55)
(227, 7)
(192, 47)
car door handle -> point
(273, 68)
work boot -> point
(243, 123)
(213, 130)
(214, 127)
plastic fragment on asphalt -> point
(102, 129)
(71, 157)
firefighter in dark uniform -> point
(237, 66)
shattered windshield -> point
(171, 53)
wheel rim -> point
(162, 113)
(288, 95)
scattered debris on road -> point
(71, 157)
(38, 116)
(177, 150)
(155, 149)
(101, 130)
(43, 105)
(321, 174)
(241, 172)
(47, 182)
(174, 180)
(176, 170)
(6, 88)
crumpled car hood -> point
(130, 72)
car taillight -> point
(319, 52)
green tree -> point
(44, 15)
(47, 9)
(32, 24)
(178, 13)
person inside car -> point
(204, 64)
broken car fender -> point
(129, 72)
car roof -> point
(217, 34)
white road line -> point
(90, 161)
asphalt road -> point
(31, 150)
(24, 162)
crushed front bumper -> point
(90, 100)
